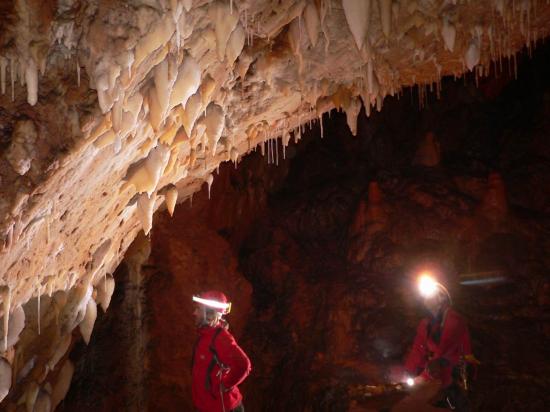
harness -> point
(215, 361)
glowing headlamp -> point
(410, 381)
(225, 307)
(427, 286)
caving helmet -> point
(214, 300)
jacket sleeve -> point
(418, 355)
(234, 357)
(454, 334)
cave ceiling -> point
(110, 109)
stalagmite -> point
(224, 23)
(62, 384)
(428, 153)
(358, 18)
(145, 209)
(312, 22)
(5, 378)
(171, 197)
(495, 204)
(235, 45)
(105, 289)
(87, 325)
(187, 82)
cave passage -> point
(319, 254)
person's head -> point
(210, 307)
(435, 295)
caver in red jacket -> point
(444, 339)
(232, 357)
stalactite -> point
(77, 73)
(5, 293)
(209, 181)
(276, 152)
(3, 66)
(38, 306)
(13, 77)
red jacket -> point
(454, 342)
(232, 356)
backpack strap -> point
(215, 361)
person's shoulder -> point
(225, 335)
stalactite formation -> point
(110, 110)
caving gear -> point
(218, 366)
(441, 342)
(214, 300)
(429, 287)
